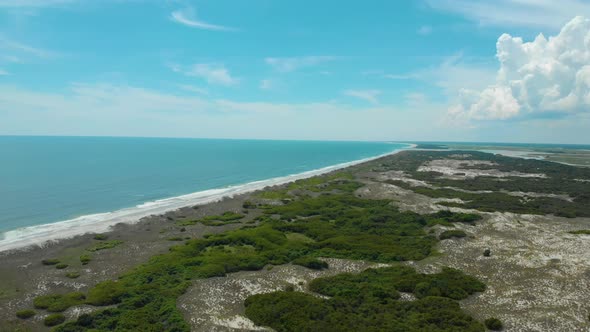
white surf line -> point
(41, 235)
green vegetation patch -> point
(50, 261)
(59, 302)
(494, 324)
(335, 225)
(581, 232)
(560, 180)
(311, 263)
(104, 245)
(451, 234)
(61, 266)
(54, 319)
(85, 259)
(224, 219)
(73, 275)
(25, 314)
(429, 146)
(339, 181)
(100, 237)
(369, 301)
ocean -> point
(52, 187)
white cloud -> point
(3, 72)
(266, 84)
(526, 13)
(212, 73)
(286, 65)
(188, 18)
(368, 95)
(34, 3)
(11, 46)
(455, 73)
(545, 77)
(194, 89)
(416, 98)
(114, 110)
(425, 30)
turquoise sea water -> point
(49, 179)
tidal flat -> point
(224, 266)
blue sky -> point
(360, 70)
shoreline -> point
(22, 239)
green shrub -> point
(335, 225)
(311, 263)
(85, 259)
(105, 245)
(24, 314)
(581, 231)
(494, 324)
(487, 253)
(61, 266)
(54, 319)
(58, 302)
(224, 219)
(175, 238)
(100, 237)
(50, 261)
(73, 274)
(369, 302)
(248, 205)
(105, 293)
(452, 234)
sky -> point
(422, 70)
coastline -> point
(41, 235)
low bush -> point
(104, 245)
(311, 263)
(248, 205)
(50, 261)
(581, 232)
(220, 220)
(73, 275)
(100, 237)
(61, 266)
(452, 234)
(54, 319)
(494, 324)
(58, 302)
(85, 259)
(24, 314)
(105, 293)
(369, 302)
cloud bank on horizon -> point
(543, 78)
(412, 70)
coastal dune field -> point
(483, 236)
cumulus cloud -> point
(545, 77)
